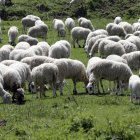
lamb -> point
(134, 87)
(12, 34)
(22, 45)
(127, 27)
(29, 39)
(109, 70)
(128, 46)
(133, 59)
(5, 51)
(43, 74)
(85, 23)
(117, 20)
(39, 30)
(107, 47)
(79, 33)
(37, 60)
(45, 47)
(69, 23)
(70, 69)
(59, 26)
(59, 50)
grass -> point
(69, 117)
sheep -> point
(135, 40)
(133, 59)
(92, 41)
(22, 45)
(85, 23)
(109, 70)
(59, 50)
(79, 33)
(136, 26)
(69, 23)
(45, 47)
(8, 62)
(28, 21)
(128, 46)
(5, 51)
(43, 74)
(134, 87)
(39, 22)
(117, 20)
(29, 39)
(127, 27)
(70, 69)
(107, 47)
(59, 26)
(115, 29)
(12, 34)
(37, 60)
(39, 30)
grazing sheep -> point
(117, 20)
(107, 47)
(134, 87)
(28, 21)
(133, 59)
(85, 23)
(59, 50)
(37, 60)
(69, 23)
(79, 33)
(39, 30)
(135, 40)
(22, 45)
(43, 74)
(128, 46)
(109, 70)
(5, 51)
(45, 47)
(59, 26)
(29, 39)
(12, 34)
(127, 27)
(70, 69)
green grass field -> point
(79, 117)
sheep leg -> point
(102, 86)
(54, 89)
(78, 43)
(74, 89)
(61, 88)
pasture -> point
(69, 116)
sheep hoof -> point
(74, 92)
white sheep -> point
(37, 60)
(85, 23)
(59, 50)
(39, 30)
(22, 45)
(12, 34)
(117, 20)
(45, 47)
(128, 46)
(70, 69)
(133, 59)
(59, 26)
(134, 87)
(69, 23)
(107, 47)
(127, 27)
(5, 51)
(79, 33)
(43, 74)
(29, 39)
(109, 70)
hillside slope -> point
(15, 9)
